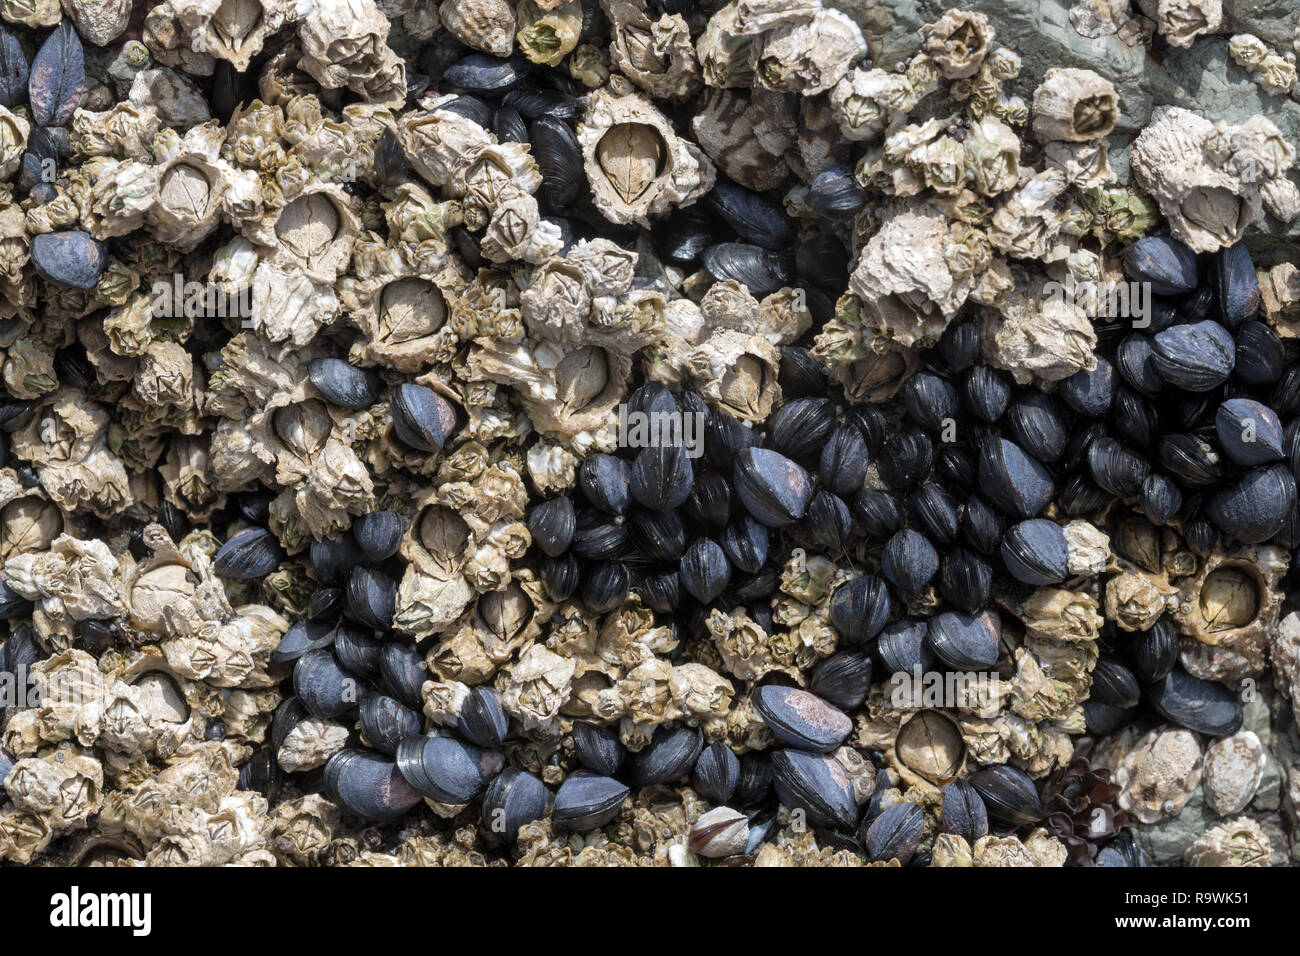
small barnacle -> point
(1033, 334)
(548, 33)
(169, 42)
(636, 164)
(230, 30)
(62, 787)
(866, 102)
(173, 96)
(310, 228)
(808, 54)
(1182, 21)
(13, 141)
(736, 372)
(588, 64)
(656, 55)
(992, 156)
(724, 51)
(1075, 106)
(1274, 73)
(123, 132)
(487, 25)
(1239, 842)
(958, 42)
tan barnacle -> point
(28, 370)
(343, 43)
(433, 592)
(655, 54)
(809, 55)
(1134, 599)
(636, 164)
(958, 42)
(1281, 199)
(311, 743)
(124, 132)
(867, 102)
(144, 710)
(301, 829)
(1036, 335)
(1239, 842)
(517, 230)
(1187, 166)
(908, 291)
(75, 580)
(548, 32)
(535, 686)
(1158, 772)
(191, 182)
(1027, 223)
(992, 156)
(1182, 21)
(169, 41)
(746, 136)
(725, 53)
(487, 25)
(230, 30)
(29, 523)
(309, 228)
(13, 140)
(119, 196)
(63, 787)
(1275, 73)
(1086, 165)
(737, 372)
(1075, 106)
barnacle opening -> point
(632, 156)
(1218, 211)
(410, 309)
(186, 188)
(28, 524)
(507, 612)
(166, 700)
(931, 744)
(1231, 598)
(582, 379)
(745, 384)
(442, 533)
(304, 427)
(236, 20)
(1093, 114)
(308, 227)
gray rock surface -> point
(1164, 843)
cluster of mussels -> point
(623, 432)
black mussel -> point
(661, 477)
(669, 756)
(598, 536)
(472, 108)
(960, 346)
(249, 554)
(716, 773)
(1201, 536)
(1190, 461)
(836, 194)
(906, 459)
(1115, 684)
(481, 720)
(870, 423)
(1196, 357)
(936, 511)
(445, 769)
(357, 650)
(860, 608)
(1134, 418)
(902, 647)
(1121, 851)
(12, 604)
(1202, 706)
(508, 125)
(323, 686)
(18, 653)
(709, 502)
(598, 748)
(842, 679)
(605, 587)
(801, 719)
(661, 591)
(371, 598)
(1250, 432)
(1102, 719)
(1165, 311)
(325, 604)
(1090, 391)
(956, 466)
(895, 834)
(965, 580)
(1164, 262)
(963, 812)
(514, 799)
(390, 160)
(879, 512)
(1116, 468)
(801, 375)
(1238, 285)
(1154, 652)
(1285, 396)
(965, 642)
(755, 779)
(981, 525)
(760, 270)
(72, 258)
(1013, 481)
(908, 561)
(485, 75)
(745, 544)
(422, 419)
(605, 482)
(368, 785)
(559, 158)
(1256, 507)
(1035, 424)
(724, 439)
(1159, 500)
(539, 101)
(587, 800)
(334, 558)
(552, 524)
(1081, 439)
(1036, 552)
(561, 576)
(844, 461)
(378, 534)
(753, 217)
(1260, 355)
(657, 535)
(829, 522)
(344, 384)
(705, 570)
(387, 722)
(801, 428)
(300, 638)
(1009, 795)
(753, 587)
(815, 784)
(987, 393)
(1136, 363)
(402, 672)
(930, 401)
(686, 235)
(823, 262)
(773, 489)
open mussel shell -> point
(1013, 481)
(716, 773)
(386, 722)
(401, 668)
(816, 784)
(445, 769)
(605, 480)
(1249, 432)
(1164, 262)
(752, 216)
(895, 834)
(860, 608)
(1036, 552)
(1256, 507)
(481, 720)
(669, 756)
(1195, 357)
(378, 534)
(1009, 795)
(1202, 706)
(801, 719)
(325, 688)
(301, 638)
(1154, 652)
(661, 477)
(773, 489)
(1115, 684)
(759, 270)
(422, 419)
(552, 524)
(963, 812)
(248, 555)
(588, 800)
(514, 799)
(908, 561)
(965, 642)
(368, 785)
(842, 679)
(598, 748)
